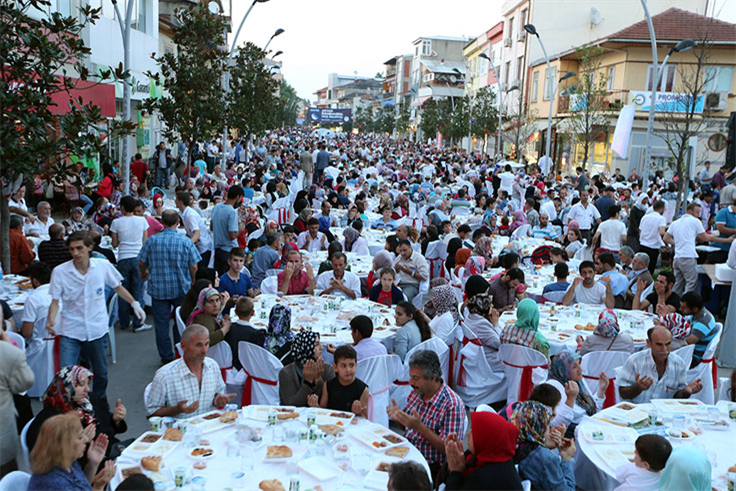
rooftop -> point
(675, 25)
(442, 38)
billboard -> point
(327, 115)
(666, 102)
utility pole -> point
(124, 23)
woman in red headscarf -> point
(489, 462)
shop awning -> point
(101, 95)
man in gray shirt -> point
(265, 257)
(504, 288)
(225, 227)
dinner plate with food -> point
(680, 434)
(380, 439)
(260, 413)
(214, 420)
(152, 443)
(202, 452)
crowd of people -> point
(208, 241)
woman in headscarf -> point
(453, 246)
(192, 296)
(482, 320)
(525, 332)
(537, 461)
(473, 266)
(607, 336)
(679, 326)
(352, 215)
(77, 221)
(381, 260)
(566, 375)
(461, 257)
(483, 248)
(304, 377)
(489, 462)
(443, 300)
(353, 241)
(285, 250)
(300, 224)
(688, 469)
(70, 391)
(519, 220)
(279, 337)
(209, 305)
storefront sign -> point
(327, 115)
(666, 102)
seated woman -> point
(55, 460)
(489, 461)
(300, 224)
(454, 245)
(443, 300)
(385, 221)
(483, 248)
(192, 296)
(433, 235)
(279, 336)
(385, 291)
(461, 257)
(307, 373)
(413, 329)
(688, 468)
(537, 462)
(573, 236)
(69, 391)
(77, 221)
(566, 375)
(353, 240)
(382, 259)
(207, 314)
(606, 337)
(482, 320)
(525, 331)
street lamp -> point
(549, 116)
(500, 102)
(278, 31)
(277, 53)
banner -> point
(327, 115)
(666, 102)
(622, 133)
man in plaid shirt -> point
(171, 260)
(433, 410)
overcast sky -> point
(348, 36)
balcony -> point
(612, 101)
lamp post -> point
(226, 75)
(533, 31)
(278, 31)
(124, 23)
(500, 102)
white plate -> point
(260, 413)
(677, 434)
(679, 405)
(368, 437)
(319, 468)
(202, 457)
(596, 434)
(376, 480)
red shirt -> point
(139, 168)
(298, 284)
(386, 298)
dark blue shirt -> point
(58, 478)
(602, 204)
(233, 287)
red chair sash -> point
(461, 368)
(714, 371)
(526, 385)
(610, 391)
(247, 389)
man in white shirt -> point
(80, 285)
(683, 234)
(129, 233)
(545, 165)
(411, 267)
(195, 227)
(585, 290)
(191, 385)
(33, 327)
(507, 179)
(40, 226)
(586, 215)
(338, 281)
(651, 230)
(551, 207)
(612, 232)
(312, 239)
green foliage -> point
(435, 117)
(485, 113)
(193, 99)
(289, 103)
(403, 118)
(253, 106)
(385, 119)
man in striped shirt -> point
(544, 230)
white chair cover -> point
(146, 393)
(476, 382)
(379, 373)
(462, 211)
(705, 370)
(222, 354)
(112, 312)
(41, 362)
(15, 481)
(262, 370)
(180, 323)
(554, 296)
(685, 353)
(417, 301)
(269, 285)
(24, 444)
(725, 386)
(515, 358)
(436, 255)
(522, 231)
(281, 211)
(595, 362)
(401, 389)
(444, 327)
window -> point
(535, 86)
(64, 7)
(520, 68)
(611, 77)
(668, 78)
(718, 79)
(510, 32)
(506, 75)
(426, 47)
(547, 88)
(522, 20)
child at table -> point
(386, 292)
(650, 457)
(345, 392)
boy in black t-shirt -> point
(344, 392)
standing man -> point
(79, 285)
(306, 162)
(323, 160)
(163, 159)
(411, 267)
(586, 215)
(605, 202)
(705, 175)
(651, 230)
(169, 261)
(195, 227)
(226, 227)
(726, 225)
(612, 232)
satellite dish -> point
(595, 16)
(214, 8)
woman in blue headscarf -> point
(687, 469)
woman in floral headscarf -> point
(279, 337)
(207, 314)
(70, 391)
(606, 336)
(525, 332)
(482, 320)
(473, 266)
(519, 220)
(443, 300)
(304, 377)
(483, 249)
(566, 375)
(537, 462)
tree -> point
(192, 104)
(363, 117)
(252, 104)
(403, 117)
(435, 117)
(385, 119)
(587, 98)
(289, 103)
(36, 57)
(521, 126)
(484, 114)
(682, 119)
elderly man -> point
(544, 230)
(40, 227)
(338, 281)
(294, 280)
(654, 374)
(432, 411)
(312, 239)
(411, 267)
(191, 385)
(639, 271)
(21, 252)
(626, 257)
(54, 251)
(585, 290)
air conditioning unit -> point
(716, 101)
(507, 43)
(521, 36)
